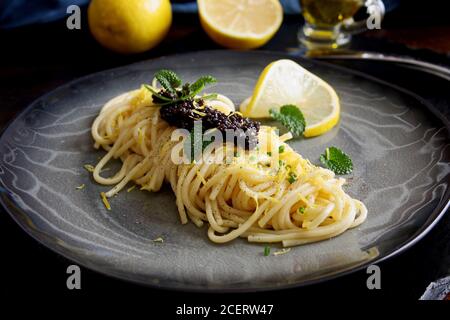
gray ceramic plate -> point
(399, 146)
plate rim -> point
(438, 212)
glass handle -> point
(373, 7)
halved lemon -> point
(240, 24)
(286, 82)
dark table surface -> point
(37, 59)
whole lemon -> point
(129, 26)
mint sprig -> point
(291, 117)
(337, 161)
(171, 83)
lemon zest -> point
(81, 187)
(159, 239)
(282, 251)
(89, 167)
(105, 201)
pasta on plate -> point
(269, 194)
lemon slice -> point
(285, 82)
(240, 24)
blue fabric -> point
(16, 13)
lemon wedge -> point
(240, 24)
(286, 82)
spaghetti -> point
(268, 195)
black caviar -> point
(183, 114)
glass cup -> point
(329, 24)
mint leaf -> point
(168, 79)
(291, 117)
(171, 83)
(200, 84)
(337, 161)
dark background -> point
(38, 58)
